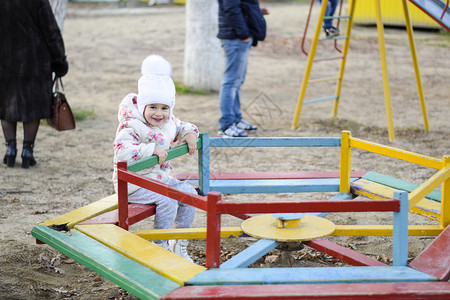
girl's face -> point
(156, 114)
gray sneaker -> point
(179, 247)
(231, 132)
(246, 126)
(165, 245)
(331, 32)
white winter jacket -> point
(136, 139)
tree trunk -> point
(203, 57)
(59, 10)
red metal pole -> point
(213, 224)
(122, 194)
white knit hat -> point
(155, 85)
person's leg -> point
(166, 208)
(236, 59)
(30, 130)
(9, 132)
(184, 219)
(327, 23)
(185, 212)
(242, 74)
(331, 8)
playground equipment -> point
(90, 234)
(432, 17)
(430, 7)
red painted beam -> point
(349, 291)
(136, 213)
(309, 206)
(435, 259)
(346, 255)
(214, 223)
(267, 175)
(161, 188)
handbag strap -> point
(58, 85)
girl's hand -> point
(191, 140)
(161, 153)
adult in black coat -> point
(31, 48)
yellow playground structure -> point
(436, 9)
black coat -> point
(31, 48)
(241, 19)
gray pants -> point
(167, 210)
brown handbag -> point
(62, 117)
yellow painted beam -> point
(385, 230)
(412, 46)
(428, 186)
(408, 156)
(345, 164)
(84, 213)
(144, 252)
(309, 63)
(384, 70)
(348, 32)
(185, 233)
(445, 194)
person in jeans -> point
(330, 30)
(241, 25)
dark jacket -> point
(241, 19)
(31, 48)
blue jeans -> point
(236, 60)
(331, 8)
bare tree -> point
(203, 58)
(59, 10)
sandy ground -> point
(105, 46)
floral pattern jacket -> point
(136, 139)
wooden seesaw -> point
(97, 235)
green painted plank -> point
(308, 275)
(126, 273)
(399, 184)
(153, 160)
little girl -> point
(148, 127)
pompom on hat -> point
(155, 85)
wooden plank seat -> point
(308, 275)
(384, 186)
(84, 213)
(105, 261)
(136, 213)
(435, 259)
(349, 291)
(142, 251)
(399, 184)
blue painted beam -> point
(245, 258)
(249, 276)
(400, 231)
(274, 185)
(275, 142)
